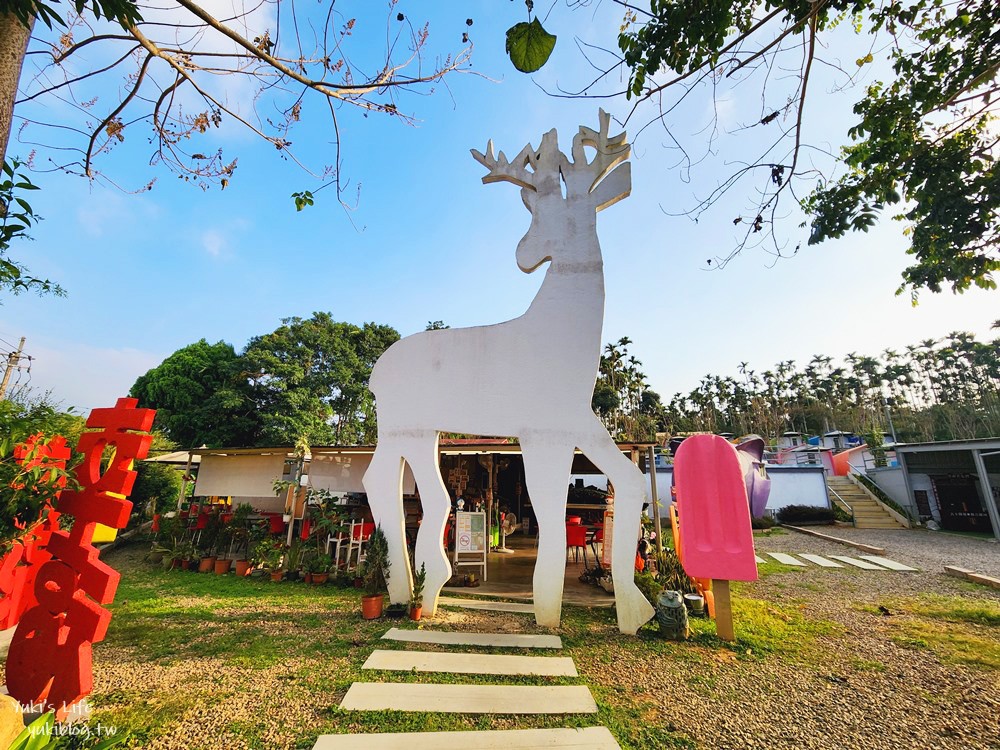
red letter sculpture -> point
(49, 661)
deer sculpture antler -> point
(610, 151)
(539, 170)
(502, 170)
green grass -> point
(958, 630)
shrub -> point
(764, 522)
(805, 514)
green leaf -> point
(529, 46)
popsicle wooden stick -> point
(723, 610)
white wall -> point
(893, 483)
(797, 485)
(790, 485)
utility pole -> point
(12, 361)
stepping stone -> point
(820, 560)
(458, 663)
(591, 738)
(786, 559)
(469, 699)
(887, 563)
(760, 560)
(447, 601)
(863, 564)
(498, 640)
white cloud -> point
(214, 242)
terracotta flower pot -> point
(175, 563)
(371, 606)
(242, 568)
(415, 613)
(222, 566)
(307, 577)
(185, 564)
(319, 578)
(277, 575)
(207, 564)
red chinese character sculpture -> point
(49, 661)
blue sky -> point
(147, 274)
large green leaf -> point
(529, 46)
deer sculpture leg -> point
(384, 484)
(422, 456)
(630, 493)
(546, 472)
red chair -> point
(597, 538)
(277, 523)
(576, 540)
(574, 520)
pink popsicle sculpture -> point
(714, 516)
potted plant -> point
(269, 556)
(241, 530)
(417, 595)
(207, 543)
(317, 567)
(376, 568)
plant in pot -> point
(241, 532)
(317, 568)
(269, 555)
(376, 568)
(417, 595)
(208, 542)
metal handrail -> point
(854, 521)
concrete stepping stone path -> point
(887, 563)
(469, 699)
(863, 564)
(465, 663)
(591, 738)
(472, 698)
(820, 560)
(786, 559)
(497, 640)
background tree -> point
(201, 397)
(923, 149)
(157, 486)
(623, 400)
(947, 389)
(309, 380)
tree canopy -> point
(201, 397)
(309, 379)
(306, 380)
(922, 150)
(937, 389)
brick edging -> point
(968, 575)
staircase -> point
(867, 513)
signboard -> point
(609, 527)
(470, 532)
(470, 540)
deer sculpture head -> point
(560, 193)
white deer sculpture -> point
(532, 377)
